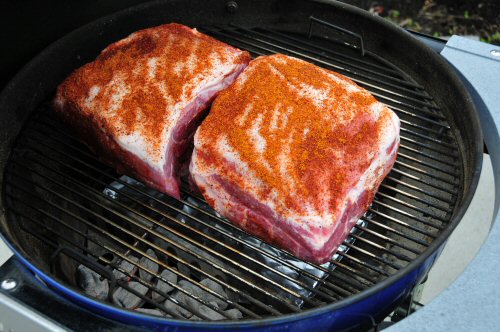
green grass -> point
(494, 38)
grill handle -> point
(313, 19)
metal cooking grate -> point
(74, 212)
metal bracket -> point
(313, 19)
(101, 270)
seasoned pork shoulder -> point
(138, 104)
(294, 154)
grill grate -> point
(73, 211)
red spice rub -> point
(330, 142)
(145, 68)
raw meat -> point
(138, 104)
(294, 154)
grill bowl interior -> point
(63, 204)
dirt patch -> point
(441, 18)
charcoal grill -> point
(64, 209)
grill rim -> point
(412, 267)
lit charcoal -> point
(196, 306)
(127, 266)
(187, 300)
(187, 285)
(216, 288)
(92, 283)
(148, 264)
(187, 256)
(174, 307)
(234, 297)
(126, 299)
(192, 304)
(210, 314)
(234, 313)
(163, 286)
(153, 312)
(184, 269)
